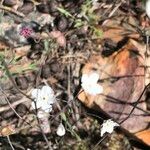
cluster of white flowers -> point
(90, 85)
(108, 126)
(43, 98)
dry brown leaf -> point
(8, 130)
(123, 81)
(60, 38)
(144, 136)
(22, 51)
(18, 68)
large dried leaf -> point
(122, 77)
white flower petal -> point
(51, 100)
(84, 78)
(37, 105)
(33, 105)
(94, 77)
(108, 126)
(47, 94)
(47, 90)
(96, 89)
(93, 89)
(90, 78)
(35, 93)
(46, 107)
(61, 130)
(89, 84)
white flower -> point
(147, 8)
(90, 85)
(44, 98)
(108, 126)
(61, 130)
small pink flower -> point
(26, 32)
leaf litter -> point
(54, 43)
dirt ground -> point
(53, 43)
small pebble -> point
(9, 2)
(61, 23)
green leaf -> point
(98, 33)
(65, 12)
(78, 23)
(63, 116)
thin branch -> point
(13, 108)
(136, 103)
(10, 143)
(14, 104)
(5, 8)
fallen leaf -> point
(19, 68)
(144, 136)
(122, 78)
(60, 38)
(22, 51)
(8, 130)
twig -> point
(118, 101)
(136, 103)
(13, 108)
(14, 104)
(10, 143)
(12, 11)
